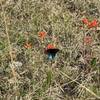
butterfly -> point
(51, 53)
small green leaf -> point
(49, 77)
(47, 83)
(2, 46)
(21, 40)
(93, 62)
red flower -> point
(94, 23)
(28, 45)
(85, 21)
(50, 46)
(87, 40)
(42, 34)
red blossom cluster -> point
(91, 24)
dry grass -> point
(27, 74)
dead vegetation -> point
(26, 73)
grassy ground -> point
(26, 73)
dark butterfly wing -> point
(52, 51)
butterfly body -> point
(51, 53)
(51, 56)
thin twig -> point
(91, 92)
(8, 39)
